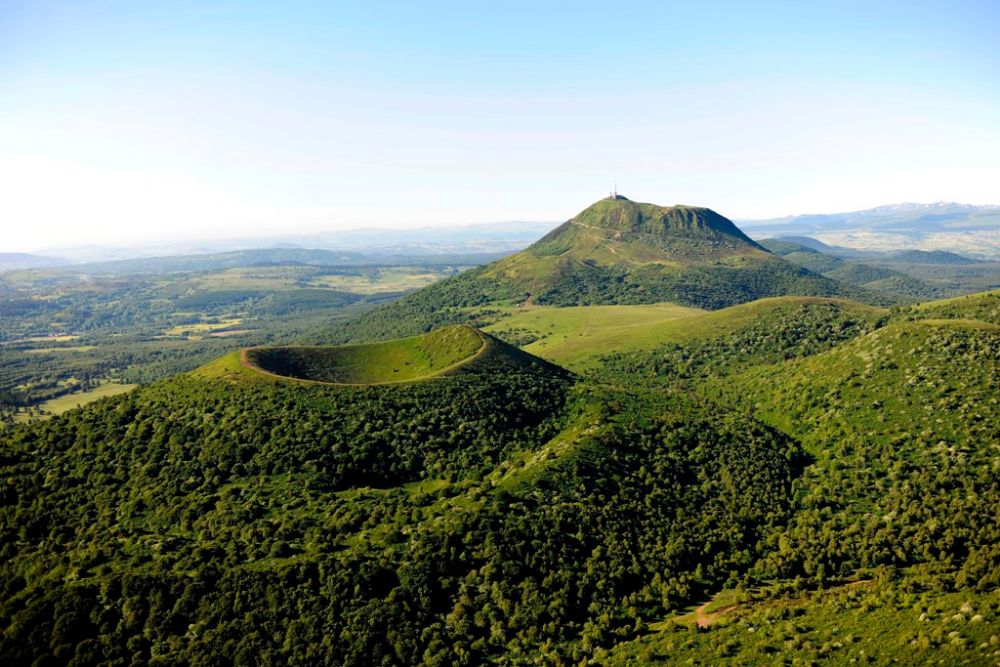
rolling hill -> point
(722, 342)
(614, 252)
(931, 257)
(891, 551)
(799, 476)
(853, 272)
(768, 461)
(451, 350)
(16, 261)
(503, 511)
(984, 307)
(932, 381)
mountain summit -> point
(616, 251)
(678, 233)
(621, 251)
(625, 215)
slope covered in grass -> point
(728, 340)
(448, 350)
(614, 252)
(984, 306)
(571, 336)
(398, 360)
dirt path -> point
(704, 618)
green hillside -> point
(903, 424)
(897, 286)
(933, 381)
(501, 514)
(614, 252)
(724, 341)
(874, 621)
(445, 351)
(373, 363)
(572, 336)
(984, 307)
(931, 257)
(799, 477)
(899, 412)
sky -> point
(140, 121)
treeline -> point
(703, 286)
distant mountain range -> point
(221, 261)
(962, 228)
(494, 238)
(13, 261)
(967, 229)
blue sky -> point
(123, 122)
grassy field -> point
(570, 336)
(61, 404)
(386, 280)
(574, 337)
(47, 339)
(203, 327)
(374, 280)
(70, 401)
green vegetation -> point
(894, 284)
(82, 395)
(725, 341)
(399, 360)
(511, 512)
(881, 622)
(933, 382)
(984, 307)
(224, 508)
(798, 479)
(614, 252)
(948, 278)
(99, 323)
(57, 406)
(572, 336)
(903, 423)
(931, 257)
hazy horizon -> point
(282, 237)
(129, 124)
